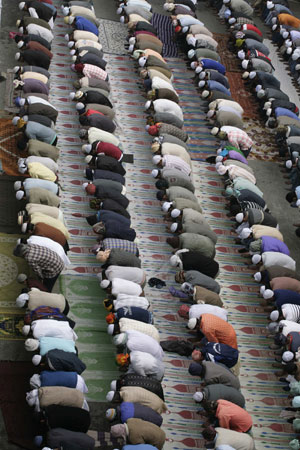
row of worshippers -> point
(195, 248)
(137, 397)
(259, 234)
(57, 390)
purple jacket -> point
(270, 244)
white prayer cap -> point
(297, 67)
(256, 259)
(274, 20)
(21, 277)
(18, 22)
(21, 5)
(245, 233)
(71, 20)
(20, 44)
(191, 53)
(219, 159)
(65, 10)
(288, 164)
(78, 94)
(168, 6)
(36, 359)
(226, 1)
(270, 5)
(174, 227)
(35, 381)
(285, 34)
(239, 217)
(274, 27)
(201, 84)
(246, 75)
(274, 315)
(16, 69)
(110, 396)
(14, 122)
(191, 41)
(17, 56)
(113, 385)
(257, 276)
(21, 29)
(262, 290)
(156, 159)
(252, 75)
(245, 63)
(261, 93)
(267, 105)
(295, 56)
(241, 54)
(119, 11)
(193, 65)
(295, 155)
(24, 227)
(21, 300)
(289, 51)
(287, 356)
(80, 106)
(142, 61)
(219, 151)
(120, 339)
(273, 327)
(67, 37)
(122, 19)
(268, 293)
(154, 173)
(222, 170)
(185, 29)
(84, 185)
(258, 87)
(148, 104)
(130, 48)
(175, 260)
(110, 329)
(26, 330)
(104, 284)
(232, 20)
(22, 168)
(210, 113)
(192, 323)
(214, 131)
(198, 69)
(198, 397)
(269, 112)
(166, 206)
(72, 95)
(175, 213)
(31, 345)
(74, 57)
(70, 44)
(218, 164)
(205, 93)
(132, 40)
(86, 148)
(202, 75)
(298, 203)
(20, 195)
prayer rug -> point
(165, 32)
(8, 148)
(228, 58)
(9, 205)
(112, 36)
(241, 95)
(17, 415)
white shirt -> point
(291, 312)
(217, 104)
(48, 162)
(52, 245)
(289, 327)
(176, 150)
(120, 286)
(158, 83)
(141, 342)
(197, 310)
(163, 105)
(278, 259)
(174, 162)
(51, 211)
(53, 328)
(145, 364)
(134, 274)
(95, 134)
(32, 28)
(146, 328)
(88, 43)
(230, 109)
(130, 300)
(32, 99)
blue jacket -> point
(220, 353)
(59, 378)
(130, 410)
(282, 296)
(135, 313)
(285, 112)
(211, 64)
(216, 86)
(84, 24)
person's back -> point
(240, 441)
(218, 373)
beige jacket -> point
(38, 298)
(140, 395)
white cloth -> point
(159, 83)
(278, 259)
(95, 134)
(32, 28)
(146, 328)
(32, 99)
(120, 286)
(217, 104)
(174, 162)
(236, 171)
(141, 342)
(130, 300)
(145, 364)
(291, 312)
(197, 310)
(81, 386)
(289, 327)
(163, 105)
(53, 328)
(52, 245)
(48, 162)
(134, 274)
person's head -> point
(197, 355)
(196, 369)
(199, 396)
(162, 184)
(209, 433)
(20, 250)
(179, 277)
(90, 189)
(291, 196)
(211, 407)
(161, 195)
(290, 368)
(193, 323)
(173, 241)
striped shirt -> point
(122, 244)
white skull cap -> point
(31, 345)
(289, 51)
(84, 185)
(261, 93)
(174, 227)
(219, 159)
(287, 356)
(104, 284)
(198, 69)
(202, 75)
(218, 164)
(246, 75)
(193, 64)
(256, 259)
(166, 206)
(156, 159)
(80, 106)
(21, 300)
(274, 315)
(252, 75)
(185, 29)
(205, 93)
(257, 277)
(232, 20)
(214, 131)
(119, 11)
(70, 44)
(26, 330)
(201, 83)
(175, 213)
(17, 56)
(14, 122)
(174, 260)
(288, 164)
(210, 113)
(198, 397)
(245, 64)
(262, 290)
(267, 105)
(20, 195)
(269, 112)
(270, 5)
(273, 327)
(268, 294)
(192, 323)
(241, 54)
(20, 44)
(191, 53)
(113, 385)
(245, 233)
(222, 169)
(132, 40)
(110, 396)
(72, 95)
(67, 37)
(239, 217)
(65, 11)
(274, 26)
(258, 87)
(154, 173)
(35, 381)
(285, 35)
(110, 329)
(122, 19)
(36, 359)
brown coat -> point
(142, 432)
(42, 229)
(60, 395)
(39, 298)
(140, 395)
(203, 295)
